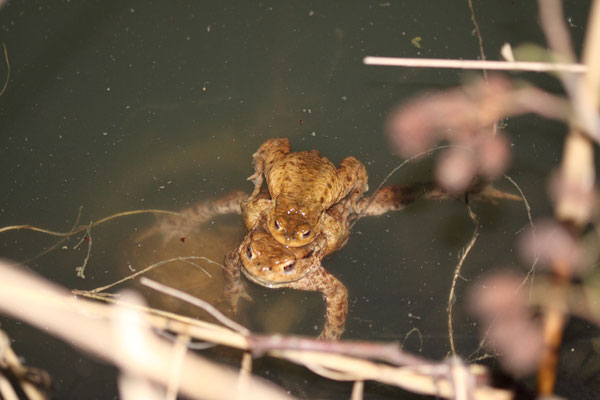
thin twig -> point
(465, 253)
(474, 64)
(414, 329)
(151, 267)
(84, 227)
(477, 31)
(536, 258)
(88, 238)
(7, 69)
(55, 245)
(197, 302)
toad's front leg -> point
(336, 299)
(353, 176)
(268, 153)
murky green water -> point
(121, 105)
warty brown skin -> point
(302, 186)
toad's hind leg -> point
(268, 152)
(172, 226)
(336, 298)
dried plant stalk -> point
(87, 325)
(474, 64)
(577, 172)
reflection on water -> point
(125, 105)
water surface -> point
(121, 105)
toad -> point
(302, 186)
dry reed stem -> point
(245, 374)
(583, 302)
(9, 361)
(133, 387)
(577, 167)
(196, 302)
(451, 296)
(179, 350)
(131, 340)
(462, 380)
(273, 345)
(164, 320)
(555, 30)
(6, 390)
(357, 390)
(87, 325)
(475, 64)
(428, 381)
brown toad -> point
(302, 186)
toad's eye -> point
(288, 267)
(276, 224)
(306, 234)
(249, 252)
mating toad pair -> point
(302, 216)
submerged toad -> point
(302, 186)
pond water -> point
(123, 105)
